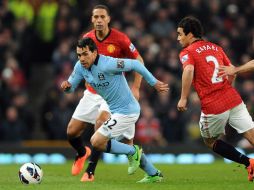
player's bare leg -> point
(249, 135)
(95, 155)
(74, 131)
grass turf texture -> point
(114, 177)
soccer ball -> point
(30, 173)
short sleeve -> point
(186, 58)
(129, 49)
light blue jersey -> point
(107, 78)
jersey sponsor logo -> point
(101, 76)
(111, 48)
(184, 58)
(100, 85)
(120, 63)
(132, 47)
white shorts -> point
(212, 125)
(89, 107)
(119, 127)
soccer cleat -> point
(134, 160)
(250, 170)
(88, 176)
(152, 179)
(79, 162)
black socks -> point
(229, 152)
(77, 144)
(95, 156)
(108, 148)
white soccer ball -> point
(30, 173)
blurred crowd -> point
(36, 34)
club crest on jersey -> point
(132, 47)
(184, 58)
(120, 63)
(101, 76)
(111, 48)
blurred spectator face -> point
(147, 113)
(162, 15)
(61, 25)
(75, 25)
(64, 49)
(11, 114)
(20, 100)
(21, 24)
(248, 86)
(67, 69)
(100, 19)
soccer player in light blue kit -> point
(105, 74)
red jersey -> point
(115, 44)
(215, 93)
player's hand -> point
(226, 70)
(182, 105)
(161, 87)
(65, 85)
(135, 92)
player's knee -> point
(209, 143)
(249, 135)
(98, 123)
(96, 143)
(93, 141)
(71, 132)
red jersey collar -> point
(104, 37)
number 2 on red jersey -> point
(215, 78)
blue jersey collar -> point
(96, 59)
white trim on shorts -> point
(212, 125)
(89, 107)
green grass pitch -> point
(217, 176)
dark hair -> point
(87, 42)
(193, 25)
(102, 7)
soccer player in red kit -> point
(92, 108)
(220, 102)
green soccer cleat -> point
(152, 179)
(134, 160)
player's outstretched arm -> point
(137, 80)
(74, 79)
(227, 70)
(161, 87)
(65, 86)
(231, 70)
(249, 66)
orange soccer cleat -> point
(250, 170)
(79, 162)
(88, 176)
